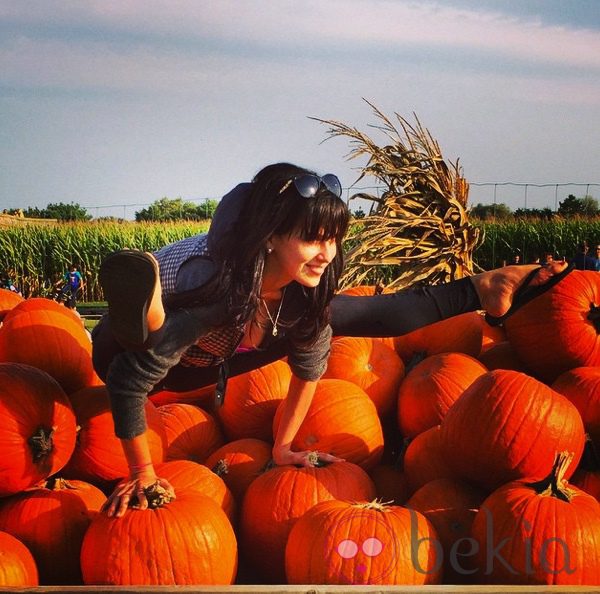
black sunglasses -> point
(307, 185)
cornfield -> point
(37, 256)
(532, 239)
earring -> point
(269, 250)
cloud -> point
(386, 24)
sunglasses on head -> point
(307, 184)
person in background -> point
(72, 285)
(259, 286)
(6, 282)
(582, 259)
(597, 254)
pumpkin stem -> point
(156, 495)
(221, 468)
(555, 484)
(594, 316)
(56, 483)
(376, 504)
(40, 443)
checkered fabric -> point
(214, 347)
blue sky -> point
(123, 102)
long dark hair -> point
(273, 207)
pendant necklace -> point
(275, 321)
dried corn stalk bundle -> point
(419, 225)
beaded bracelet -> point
(138, 467)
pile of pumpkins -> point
(469, 457)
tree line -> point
(161, 210)
(176, 209)
(570, 207)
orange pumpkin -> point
(339, 542)
(276, 499)
(192, 433)
(98, 456)
(371, 365)
(251, 400)
(431, 387)
(391, 484)
(186, 542)
(193, 477)
(507, 426)
(502, 356)
(559, 330)
(51, 521)
(424, 459)
(239, 462)
(37, 431)
(8, 300)
(450, 506)
(52, 342)
(542, 533)
(17, 566)
(458, 334)
(588, 481)
(582, 387)
(42, 303)
(342, 420)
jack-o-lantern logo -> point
(365, 555)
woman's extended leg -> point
(395, 314)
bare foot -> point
(496, 288)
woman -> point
(260, 285)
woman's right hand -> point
(131, 487)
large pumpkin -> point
(51, 341)
(391, 484)
(17, 566)
(239, 462)
(582, 387)
(37, 427)
(502, 356)
(251, 400)
(424, 459)
(507, 426)
(450, 505)
(8, 300)
(458, 334)
(193, 477)
(186, 542)
(51, 520)
(370, 364)
(339, 542)
(539, 533)
(559, 329)
(276, 499)
(42, 303)
(192, 433)
(98, 455)
(431, 387)
(342, 420)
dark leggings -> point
(392, 314)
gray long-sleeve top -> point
(133, 374)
